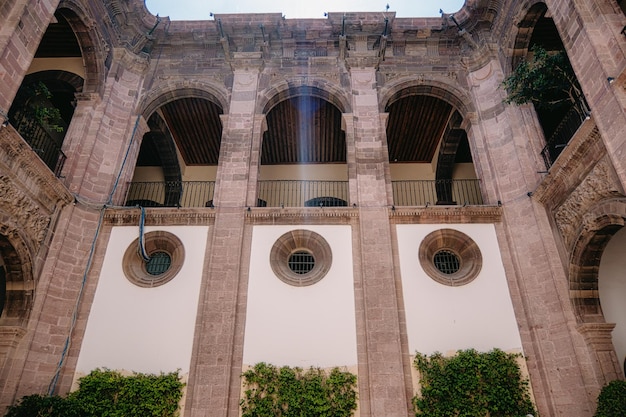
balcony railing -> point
(443, 192)
(564, 132)
(171, 194)
(295, 193)
(44, 144)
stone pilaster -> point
(532, 263)
(104, 131)
(214, 380)
(379, 341)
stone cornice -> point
(124, 216)
(578, 158)
(445, 214)
(127, 216)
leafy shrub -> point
(292, 392)
(108, 393)
(612, 400)
(472, 384)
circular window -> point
(450, 257)
(166, 255)
(300, 258)
(446, 261)
(158, 263)
(301, 262)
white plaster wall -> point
(612, 288)
(301, 326)
(319, 172)
(445, 319)
(74, 65)
(148, 174)
(144, 329)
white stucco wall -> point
(301, 326)
(612, 288)
(144, 329)
(445, 319)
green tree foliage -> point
(547, 80)
(612, 400)
(291, 392)
(472, 384)
(37, 106)
(108, 393)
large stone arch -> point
(315, 87)
(91, 44)
(453, 133)
(601, 222)
(408, 86)
(171, 91)
(529, 13)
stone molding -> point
(445, 214)
(598, 185)
(125, 216)
(29, 191)
(578, 158)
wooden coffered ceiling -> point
(307, 129)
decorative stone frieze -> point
(599, 184)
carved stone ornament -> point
(598, 185)
(23, 210)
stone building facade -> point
(342, 191)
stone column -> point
(103, 129)
(379, 345)
(553, 347)
(23, 26)
(97, 144)
(214, 380)
(597, 50)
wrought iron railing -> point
(432, 192)
(295, 193)
(171, 194)
(564, 132)
(46, 145)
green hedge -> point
(472, 384)
(108, 393)
(270, 391)
(612, 400)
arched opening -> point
(429, 154)
(303, 153)
(42, 111)
(177, 161)
(612, 289)
(560, 106)
(44, 104)
(597, 286)
(15, 284)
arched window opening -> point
(556, 94)
(42, 111)
(177, 162)
(303, 154)
(44, 104)
(429, 155)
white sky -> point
(292, 9)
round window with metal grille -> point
(301, 262)
(450, 257)
(158, 263)
(300, 257)
(166, 256)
